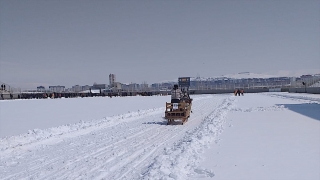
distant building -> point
(117, 85)
(86, 87)
(56, 88)
(167, 85)
(133, 87)
(156, 86)
(306, 76)
(41, 89)
(76, 88)
(308, 80)
(99, 86)
(112, 80)
(144, 87)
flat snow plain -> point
(252, 137)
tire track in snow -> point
(180, 161)
(159, 134)
(111, 152)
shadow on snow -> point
(176, 122)
(311, 110)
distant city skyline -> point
(243, 76)
(80, 42)
(235, 76)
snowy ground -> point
(256, 136)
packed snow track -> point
(136, 145)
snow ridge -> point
(119, 149)
(180, 161)
(70, 130)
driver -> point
(175, 94)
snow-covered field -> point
(250, 137)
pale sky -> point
(73, 42)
